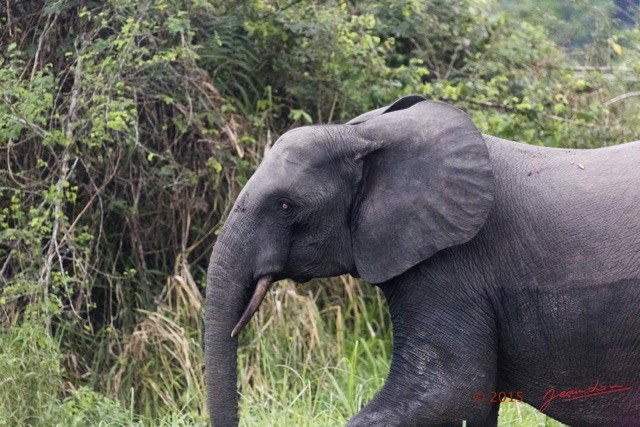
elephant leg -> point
(492, 418)
(444, 401)
(444, 364)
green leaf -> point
(297, 114)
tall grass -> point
(33, 391)
(311, 359)
(314, 356)
(30, 374)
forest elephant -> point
(506, 267)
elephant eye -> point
(285, 206)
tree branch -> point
(621, 98)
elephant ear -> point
(427, 184)
(400, 104)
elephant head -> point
(373, 198)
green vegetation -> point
(127, 129)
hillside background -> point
(127, 129)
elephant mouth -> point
(262, 287)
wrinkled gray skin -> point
(506, 267)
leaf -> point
(616, 47)
(296, 114)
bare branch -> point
(54, 246)
(621, 98)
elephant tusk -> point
(258, 295)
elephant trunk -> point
(229, 286)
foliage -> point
(97, 137)
(32, 384)
(127, 128)
(86, 407)
(28, 396)
(571, 23)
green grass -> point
(30, 374)
(314, 356)
(518, 414)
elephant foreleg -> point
(444, 364)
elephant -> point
(509, 269)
